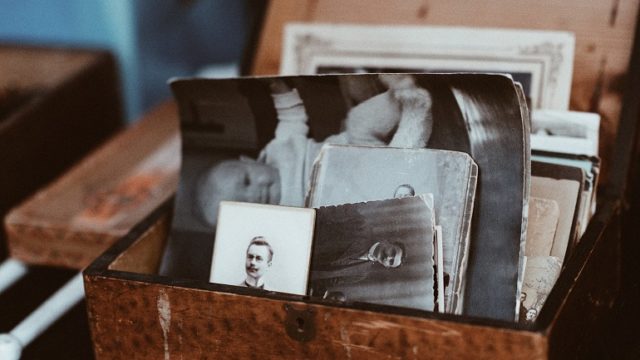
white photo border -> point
(546, 55)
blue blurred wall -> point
(153, 40)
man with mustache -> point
(257, 263)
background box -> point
(73, 105)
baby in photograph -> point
(281, 172)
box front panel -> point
(137, 320)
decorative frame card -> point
(541, 60)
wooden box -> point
(71, 103)
(135, 313)
(71, 221)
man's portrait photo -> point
(363, 253)
(257, 263)
(263, 247)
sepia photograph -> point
(544, 215)
(564, 185)
(379, 252)
(590, 165)
(542, 61)
(263, 247)
(482, 115)
(541, 273)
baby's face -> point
(237, 180)
(248, 181)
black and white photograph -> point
(542, 61)
(482, 115)
(263, 247)
(378, 252)
(567, 132)
(541, 273)
(343, 173)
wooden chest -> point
(71, 103)
(75, 218)
(134, 313)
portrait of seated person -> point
(257, 263)
(279, 175)
(349, 262)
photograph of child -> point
(284, 163)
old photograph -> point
(342, 174)
(480, 114)
(541, 273)
(379, 252)
(544, 215)
(590, 165)
(541, 60)
(263, 247)
(568, 132)
(564, 185)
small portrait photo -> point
(378, 252)
(265, 247)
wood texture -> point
(594, 271)
(140, 320)
(74, 105)
(145, 254)
(71, 221)
(604, 36)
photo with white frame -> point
(544, 57)
(283, 234)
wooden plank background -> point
(604, 35)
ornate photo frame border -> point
(547, 56)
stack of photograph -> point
(408, 190)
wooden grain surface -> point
(139, 320)
(604, 35)
(71, 221)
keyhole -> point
(299, 324)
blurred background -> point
(153, 40)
